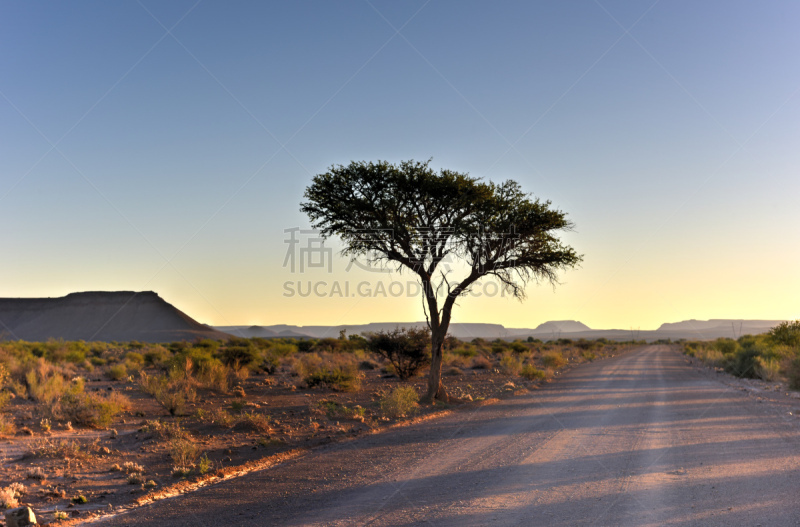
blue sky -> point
(166, 146)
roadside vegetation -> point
(773, 356)
(91, 424)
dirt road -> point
(640, 439)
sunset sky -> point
(165, 146)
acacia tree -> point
(411, 217)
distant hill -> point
(100, 316)
(727, 324)
(467, 331)
(554, 329)
(561, 326)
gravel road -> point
(639, 439)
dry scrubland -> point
(772, 357)
(90, 427)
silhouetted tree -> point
(412, 217)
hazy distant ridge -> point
(687, 329)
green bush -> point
(518, 347)
(335, 411)
(531, 372)
(726, 346)
(339, 378)
(283, 349)
(171, 393)
(156, 355)
(407, 349)
(400, 402)
(768, 369)
(793, 372)
(554, 359)
(242, 355)
(7, 426)
(118, 372)
(786, 333)
(510, 364)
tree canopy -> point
(412, 217)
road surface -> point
(639, 439)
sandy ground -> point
(645, 438)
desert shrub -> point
(399, 402)
(554, 359)
(744, 363)
(499, 346)
(209, 344)
(768, 369)
(588, 355)
(792, 369)
(129, 467)
(134, 357)
(9, 496)
(510, 364)
(481, 363)
(239, 373)
(156, 355)
(244, 355)
(215, 377)
(531, 372)
(62, 449)
(459, 361)
(331, 345)
(786, 333)
(368, 365)
(203, 464)
(117, 372)
(221, 417)
(135, 479)
(518, 347)
(344, 379)
(407, 349)
(270, 364)
(726, 346)
(255, 422)
(46, 384)
(7, 426)
(171, 393)
(36, 473)
(5, 397)
(454, 371)
(335, 411)
(305, 345)
(91, 409)
(587, 345)
(465, 352)
(164, 430)
(183, 452)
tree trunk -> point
(436, 389)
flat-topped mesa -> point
(563, 326)
(714, 323)
(102, 316)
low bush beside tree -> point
(407, 349)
